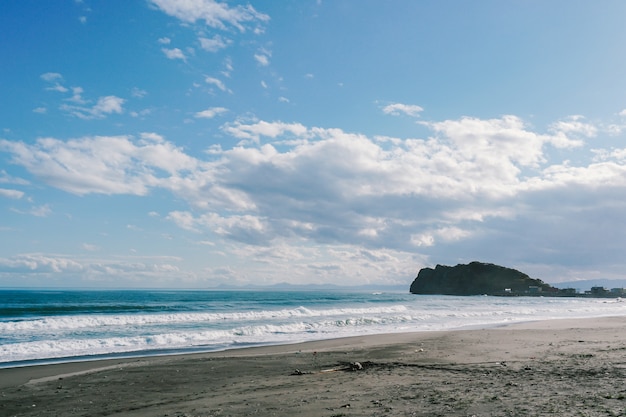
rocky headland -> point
(477, 278)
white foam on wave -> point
(74, 336)
(93, 321)
(250, 334)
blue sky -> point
(193, 143)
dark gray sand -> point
(556, 368)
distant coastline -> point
(478, 278)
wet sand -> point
(559, 367)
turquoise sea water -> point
(47, 326)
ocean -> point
(39, 327)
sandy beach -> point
(560, 367)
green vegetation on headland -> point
(477, 278)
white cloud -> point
(90, 247)
(103, 107)
(505, 144)
(445, 234)
(574, 125)
(468, 188)
(51, 76)
(396, 109)
(79, 106)
(108, 105)
(77, 95)
(102, 164)
(40, 110)
(228, 67)
(183, 219)
(214, 44)
(41, 211)
(37, 211)
(423, 239)
(138, 92)
(214, 14)
(5, 178)
(245, 228)
(101, 270)
(216, 82)
(263, 57)
(211, 112)
(39, 263)
(174, 53)
(262, 128)
(165, 41)
(140, 113)
(54, 78)
(13, 194)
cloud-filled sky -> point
(193, 143)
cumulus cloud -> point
(101, 164)
(262, 60)
(54, 80)
(5, 178)
(13, 194)
(37, 211)
(256, 130)
(38, 263)
(445, 234)
(107, 105)
(506, 142)
(79, 106)
(77, 95)
(102, 270)
(104, 106)
(51, 76)
(216, 82)
(397, 109)
(574, 125)
(244, 228)
(214, 44)
(174, 53)
(211, 112)
(214, 14)
(138, 92)
(90, 247)
(470, 186)
(262, 57)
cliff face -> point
(476, 278)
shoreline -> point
(132, 356)
(72, 367)
(566, 360)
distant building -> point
(618, 291)
(533, 289)
(598, 291)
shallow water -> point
(44, 326)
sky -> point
(199, 143)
